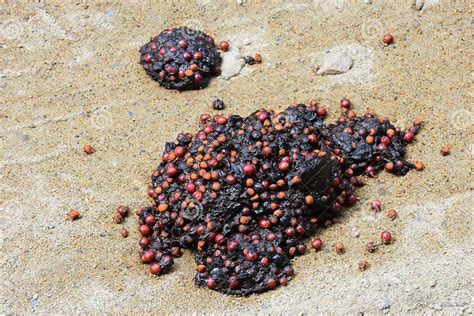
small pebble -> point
(418, 4)
(334, 63)
(355, 232)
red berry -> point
(190, 187)
(345, 103)
(233, 281)
(179, 151)
(248, 169)
(219, 239)
(155, 268)
(388, 39)
(144, 242)
(221, 120)
(316, 243)
(197, 55)
(232, 245)
(171, 171)
(251, 256)
(148, 256)
(386, 237)
(183, 43)
(230, 179)
(284, 166)
(197, 78)
(145, 230)
(321, 111)
(88, 149)
(73, 214)
(187, 56)
(224, 45)
(271, 283)
(262, 116)
(408, 137)
(210, 283)
(204, 118)
(264, 223)
(147, 58)
(385, 140)
(150, 219)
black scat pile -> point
(244, 193)
(165, 60)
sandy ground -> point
(69, 76)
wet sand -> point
(70, 76)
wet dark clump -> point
(244, 193)
(181, 58)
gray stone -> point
(232, 63)
(334, 63)
(418, 4)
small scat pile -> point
(181, 58)
(244, 193)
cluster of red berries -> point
(182, 58)
(244, 193)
